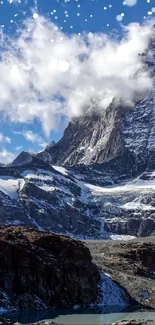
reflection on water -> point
(93, 316)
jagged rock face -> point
(40, 269)
(119, 131)
(111, 134)
(88, 140)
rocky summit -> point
(39, 270)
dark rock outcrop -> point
(40, 269)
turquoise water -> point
(83, 316)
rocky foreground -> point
(39, 270)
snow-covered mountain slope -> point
(47, 197)
(62, 200)
(128, 208)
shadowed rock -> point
(40, 269)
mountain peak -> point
(50, 145)
(23, 158)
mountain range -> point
(98, 181)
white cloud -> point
(14, 1)
(19, 148)
(4, 138)
(45, 73)
(130, 3)
(33, 137)
(6, 156)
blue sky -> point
(71, 17)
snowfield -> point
(61, 170)
(136, 185)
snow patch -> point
(137, 206)
(121, 237)
(14, 223)
(10, 186)
(39, 174)
(61, 170)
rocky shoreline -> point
(4, 321)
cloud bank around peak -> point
(46, 74)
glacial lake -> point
(83, 316)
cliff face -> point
(40, 270)
(88, 140)
(97, 139)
